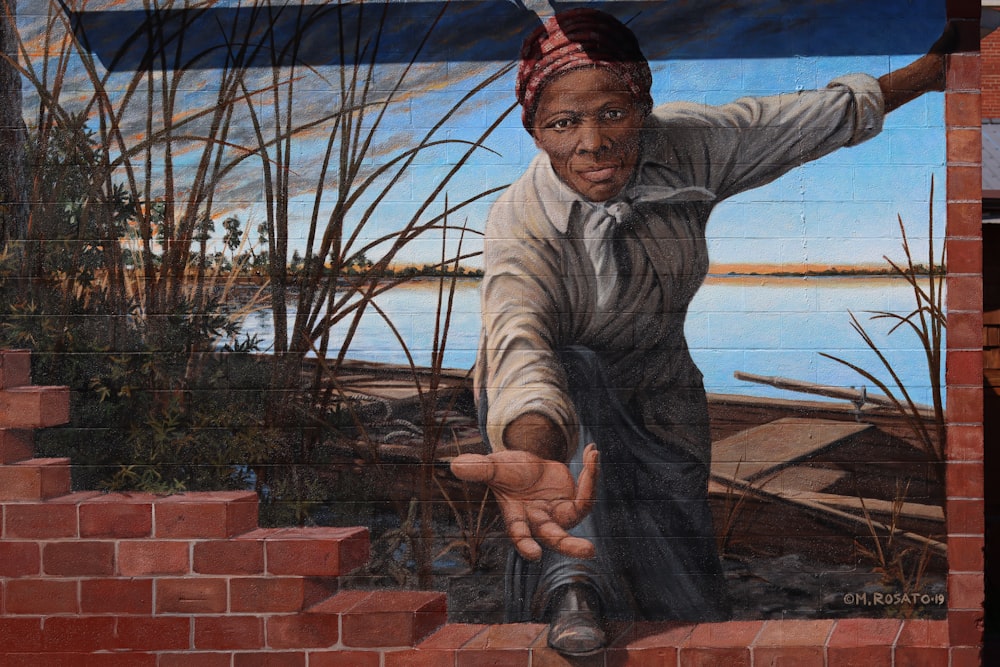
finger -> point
(550, 533)
(554, 537)
(519, 531)
(567, 513)
(586, 490)
(528, 548)
(570, 512)
(577, 547)
(473, 468)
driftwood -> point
(859, 397)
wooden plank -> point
(801, 481)
(763, 450)
(875, 506)
(394, 389)
(833, 515)
(852, 504)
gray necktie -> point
(605, 228)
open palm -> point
(539, 499)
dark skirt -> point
(656, 552)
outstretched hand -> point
(538, 497)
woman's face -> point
(588, 124)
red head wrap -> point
(576, 39)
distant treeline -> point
(433, 271)
(919, 269)
(359, 264)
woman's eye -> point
(615, 114)
(561, 123)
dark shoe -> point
(575, 628)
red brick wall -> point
(990, 47)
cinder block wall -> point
(94, 579)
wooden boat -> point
(835, 479)
(832, 480)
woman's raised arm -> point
(923, 75)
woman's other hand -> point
(925, 74)
(538, 497)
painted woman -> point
(591, 259)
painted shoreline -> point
(714, 273)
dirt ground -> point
(788, 586)
(766, 588)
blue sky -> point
(839, 210)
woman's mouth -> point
(598, 174)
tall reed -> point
(145, 163)
(927, 321)
(349, 196)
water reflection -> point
(757, 324)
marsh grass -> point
(436, 403)
(927, 321)
(732, 507)
(902, 568)
(122, 269)
(350, 195)
(477, 521)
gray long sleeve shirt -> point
(553, 280)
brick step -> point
(207, 515)
(407, 629)
(16, 445)
(299, 640)
(316, 551)
(15, 368)
(836, 643)
(91, 534)
(33, 406)
(373, 619)
(35, 479)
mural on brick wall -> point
(590, 312)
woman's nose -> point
(592, 138)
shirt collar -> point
(561, 203)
